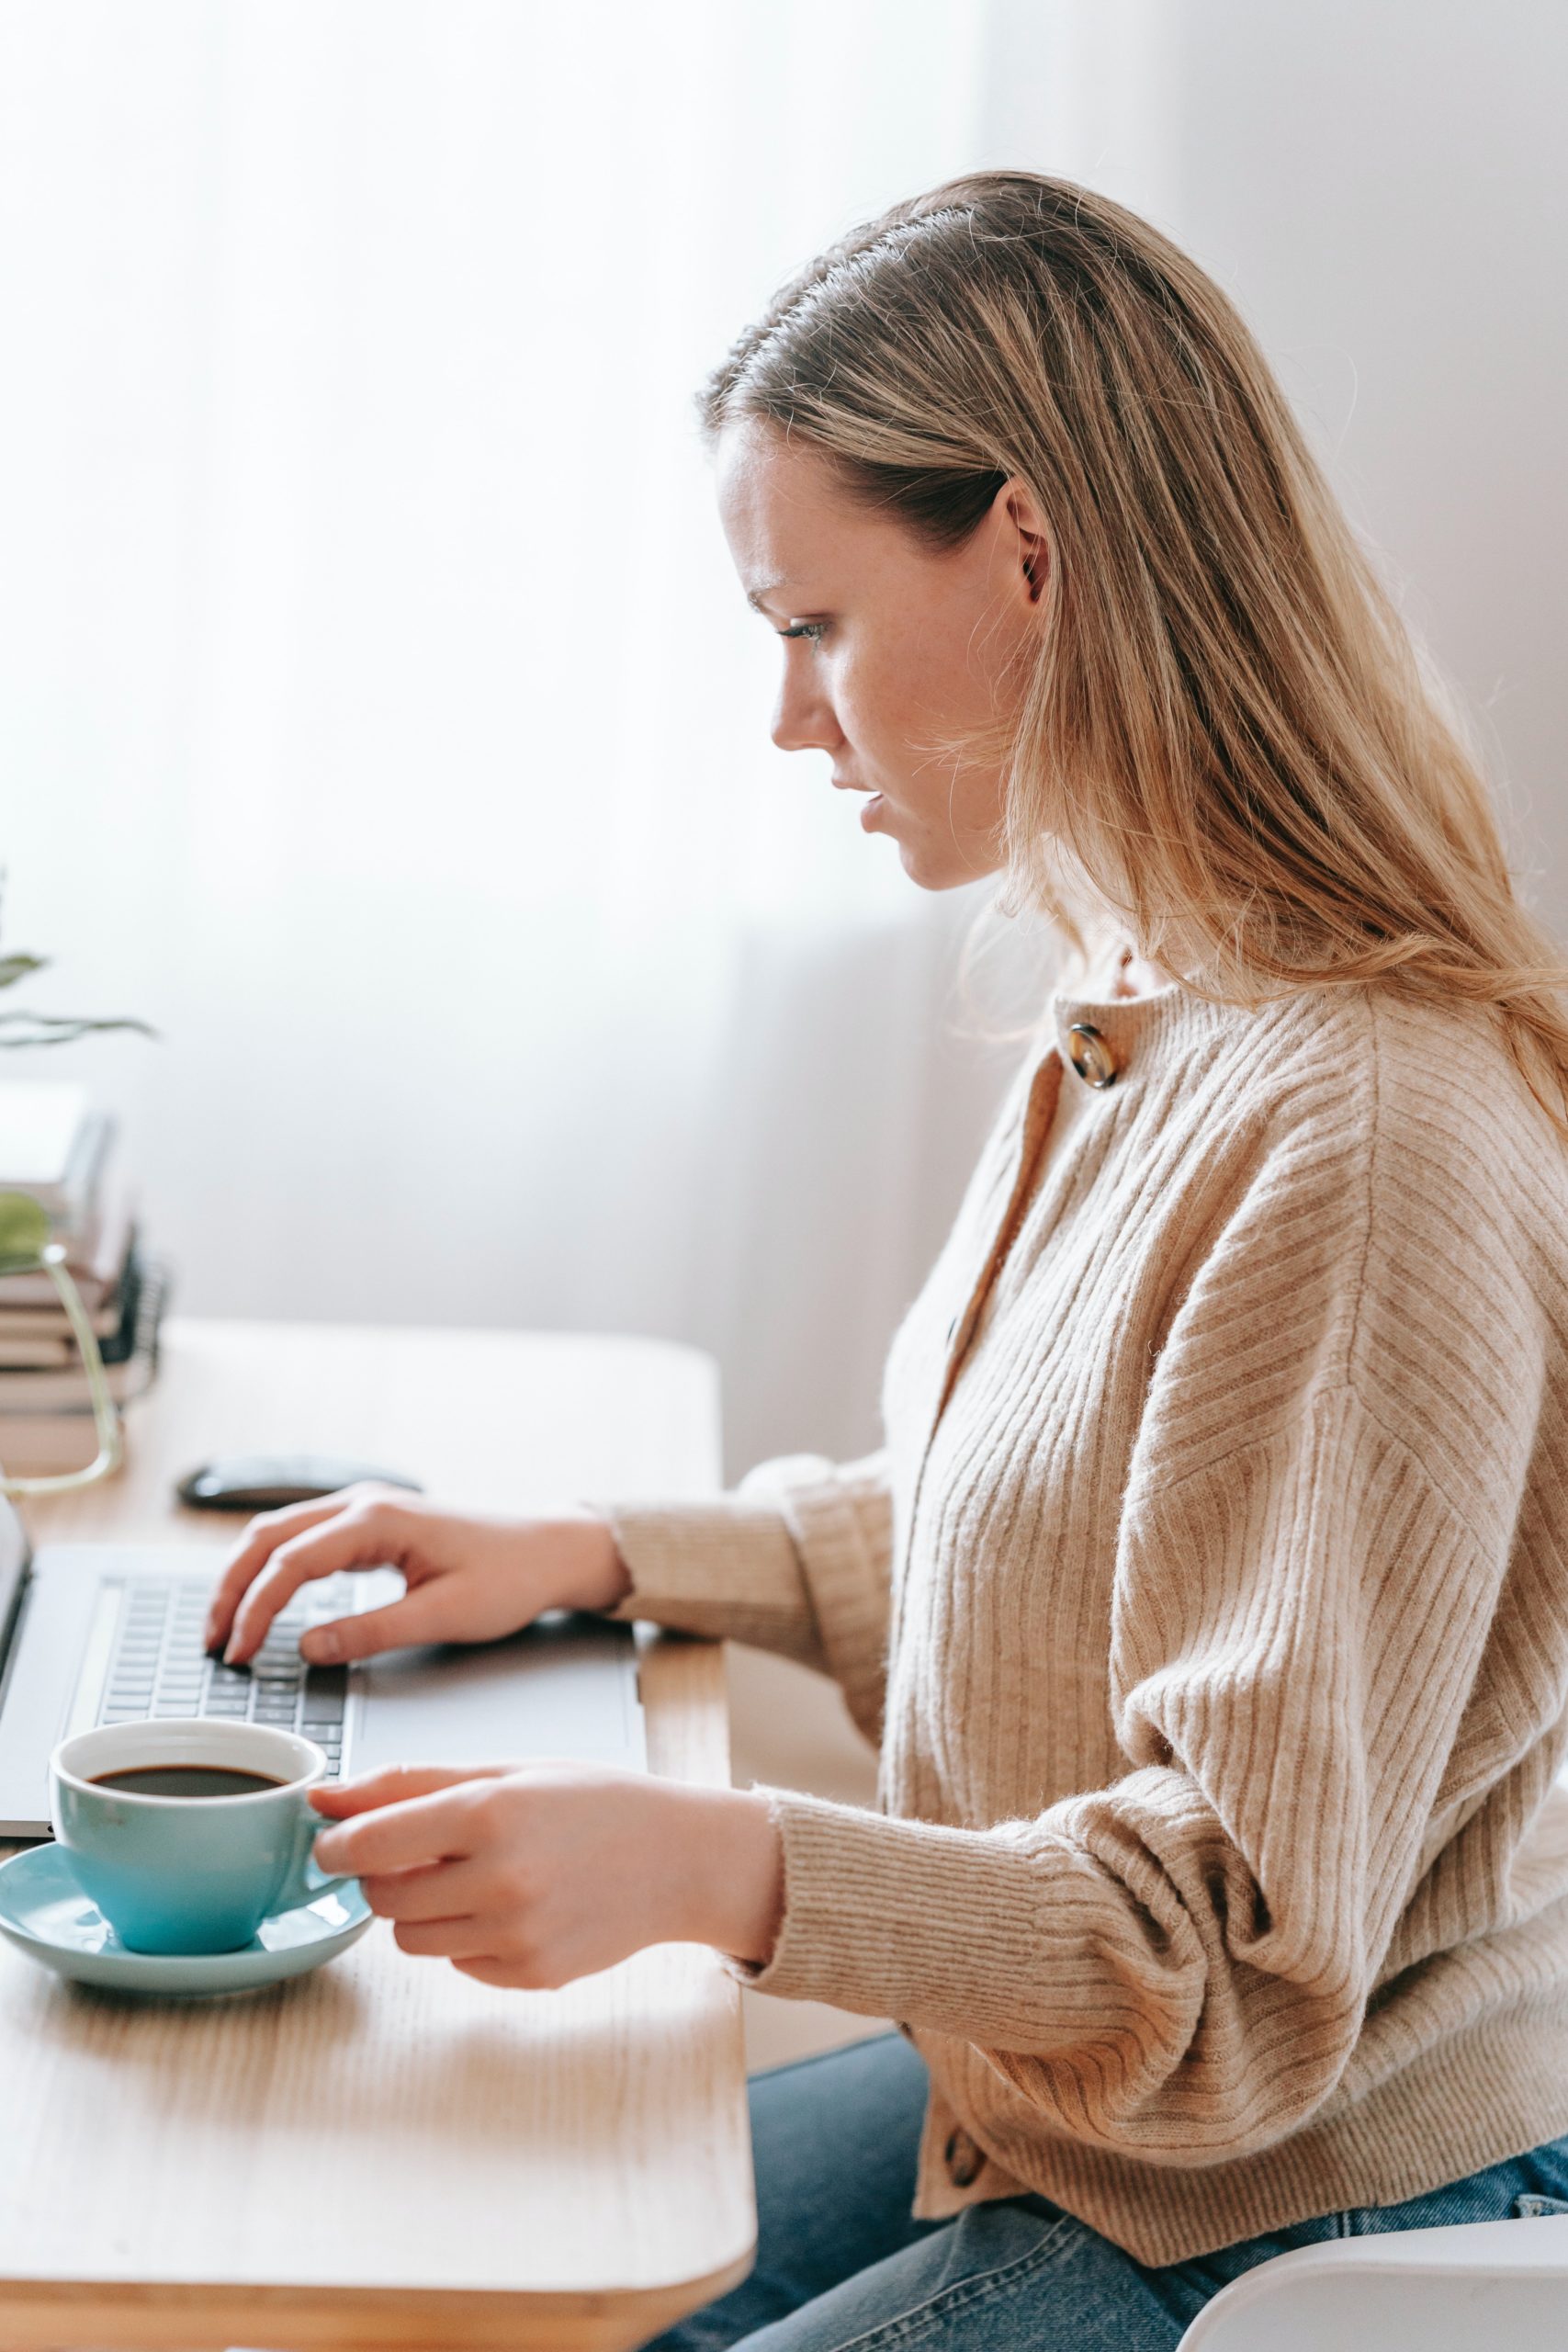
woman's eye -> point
(813, 631)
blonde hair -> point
(1227, 728)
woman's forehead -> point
(785, 513)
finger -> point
(393, 1785)
(488, 1970)
(443, 1939)
(415, 1616)
(440, 1827)
(250, 1554)
(357, 1537)
(442, 1890)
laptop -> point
(111, 1632)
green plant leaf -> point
(19, 1030)
(56, 1029)
(24, 1232)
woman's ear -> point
(1032, 541)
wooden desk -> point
(386, 2153)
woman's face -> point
(889, 647)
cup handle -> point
(305, 1880)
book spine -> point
(131, 1361)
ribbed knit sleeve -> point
(796, 1560)
(1177, 1966)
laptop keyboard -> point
(159, 1668)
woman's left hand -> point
(532, 1874)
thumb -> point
(414, 1616)
(395, 1783)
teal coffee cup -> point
(188, 1835)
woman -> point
(1207, 1600)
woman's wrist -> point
(733, 1890)
(593, 1575)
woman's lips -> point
(871, 813)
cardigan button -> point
(1092, 1059)
(964, 2159)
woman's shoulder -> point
(1423, 1102)
(1441, 1186)
(1390, 1224)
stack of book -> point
(56, 1146)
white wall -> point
(379, 715)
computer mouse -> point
(267, 1481)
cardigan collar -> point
(1145, 1033)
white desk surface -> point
(386, 2153)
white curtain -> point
(379, 713)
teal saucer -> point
(45, 1914)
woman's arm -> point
(531, 1875)
(797, 1559)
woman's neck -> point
(1113, 967)
(1135, 976)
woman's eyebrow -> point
(754, 597)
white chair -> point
(1481, 2287)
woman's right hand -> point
(468, 1579)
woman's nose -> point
(804, 720)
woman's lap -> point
(840, 2261)
(834, 2141)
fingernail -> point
(323, 1647)
(231, 1656)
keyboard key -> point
(161, 1670)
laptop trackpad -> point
(566, 1687)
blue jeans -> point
(840, 2261)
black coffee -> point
(187, 1781)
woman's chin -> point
(931, 865)
(929, 870)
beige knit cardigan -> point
(1211, 1611)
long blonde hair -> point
(1227, 728)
